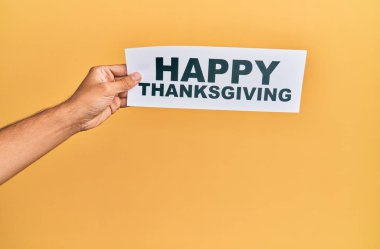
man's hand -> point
(102, 93)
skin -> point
(102, 92)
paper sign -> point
(217, 78)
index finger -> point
(118, 70)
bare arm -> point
(102, 93)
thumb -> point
(124, 84)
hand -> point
(103, 91)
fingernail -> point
(135, 76)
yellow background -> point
(170, 178)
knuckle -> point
(124, 83)
(93, 69)
(129, 82)
(96, 68)
(104, 87)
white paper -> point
(282, 93)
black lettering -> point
(197, 74)
(171, 91)
(214, 92)
(212, 70)
(266, 71)
(144, 87)
(188, 90)
(236, 71)
(285, 97)
(228, 95)
(199, 90)
(268, 93)
(159, 89)
(173, 68)
(249, 95)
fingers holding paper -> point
(125, 84)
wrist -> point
(66, 116)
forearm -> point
(27, 140)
